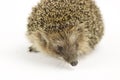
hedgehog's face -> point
(66, 50)
(64, 45)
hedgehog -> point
(65, 29)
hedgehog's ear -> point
(76, 31)
(79, 27)
(42, 36)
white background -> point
(16, 63)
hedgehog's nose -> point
(74, 63)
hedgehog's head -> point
(63, 47)
(63, 43)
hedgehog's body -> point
(65, 28)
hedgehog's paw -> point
(32, 49)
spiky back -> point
(52, 15)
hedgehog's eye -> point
(60, 48)
(76, 45)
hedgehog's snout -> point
(74, 63)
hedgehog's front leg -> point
(32, 49)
